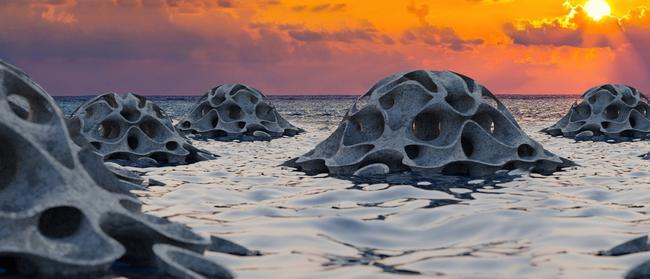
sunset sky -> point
(185, 47)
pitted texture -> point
(131, 130)
(428, 123)
(236, 112)
(607, 112)
(62, 213)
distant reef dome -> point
(235, 112)
(131, 130)
(607, 112)
(428, 123)
(63, 214)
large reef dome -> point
(428, 123)
(64, 215)
(235, 112)
(607, 112)
(131, 130)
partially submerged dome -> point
(63, 214)
(236, 112)
(130, 130)
(429, 123)
(607, 112)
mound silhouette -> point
(236, 112)
(607, 112)
(427, 122)
(130, 130)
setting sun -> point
(597, 9)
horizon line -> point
(330, 95)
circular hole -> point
(186, 124)
(264, 111)
(244, 97)
(234, 112)
(581, 112)
(108, 129)
(217, 100)
(172, 145)
(423, 78)
(468, 146)
(426, 126)
(413, 151)
(215, 121)
(612, 112)
(460, 101)
(365, 126)
(90, 111)
(387, 101)
(28, 103)
(130, 115)
(132, 141)
(150, 128)
(110, 99)
(59, 222)
(160, 157)
(525, 151)
(484, 120)
(141, 101)
(241, 125)
(19, 105)
(629, 99)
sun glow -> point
(597, 9)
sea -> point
(519, 226)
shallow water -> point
(530, 226)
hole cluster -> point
(236, 112)
(457, 132)
(60, 222)
(608, 112)
(130, 130)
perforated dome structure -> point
(130, 130)
(610, 111)
(236, 112)
(429, 123)
(63, 214)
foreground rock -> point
(428, 123)
(608, 112)
(64, 214)
(130, 130)
(235, 112)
